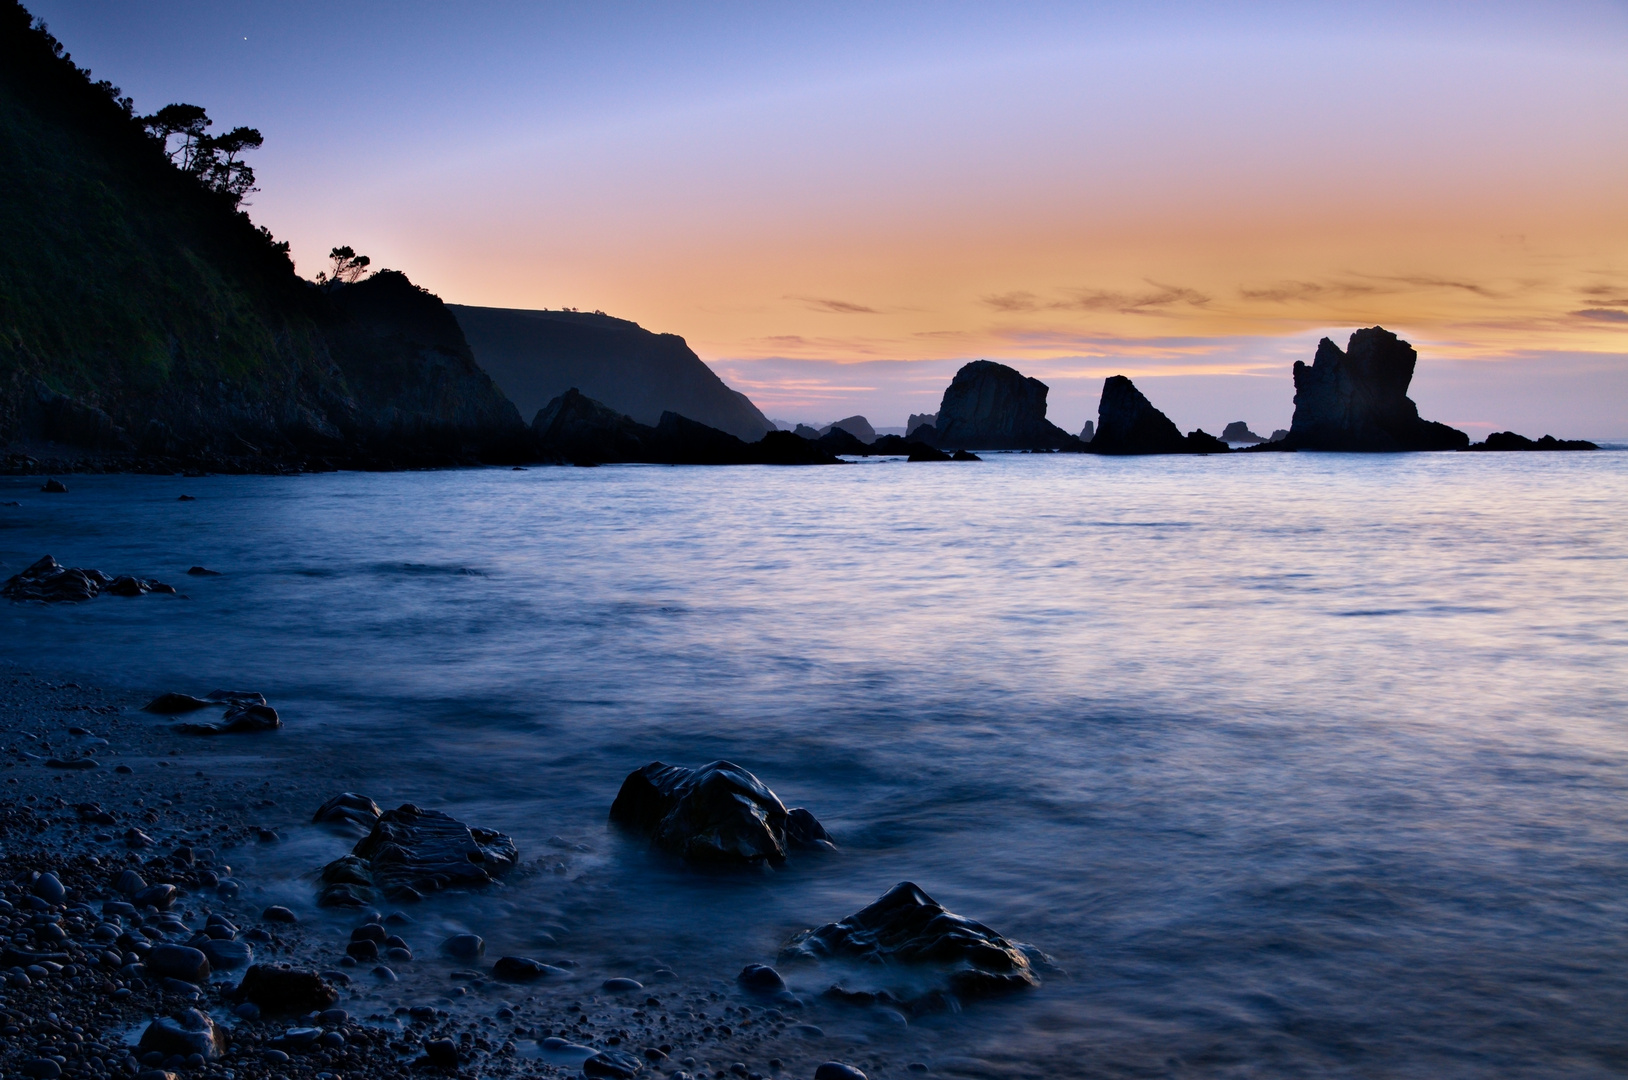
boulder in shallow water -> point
(410, 853)
(51, 582)
(278, 989)
(175, 704)
(1509, 440)
(239, 720)
(719, 813)
(54, 487)
(907, 929)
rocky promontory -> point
(577, 430)
(1356, 399)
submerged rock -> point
(1508, 440)
(1357, 400)
(278, 989)
(412, 852)
(906, 928)
(174, 704)
(719, 813)
(989, 406)
(1127, 423)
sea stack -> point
(989, 406)
(1357, 400)
(1127, 423)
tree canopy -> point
(216, 160)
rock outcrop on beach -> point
(145, 322)
(717, 814)
(990, 406)
(575, 429)
(535, 356)
(50, 582)
(1508, 440)
(410, 853)
(1127, 423)
(1356, 399)
(907, 929)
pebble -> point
(442, 1052)
(370, 932)
(384, 974)
(178, 962)
(49, 889)
(129, 882)
(42, 1069)
(161, 897)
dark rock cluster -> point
(246, 712)
(718, 814)
(50, 582)
(575, 429)
(1508, 440)
(411, 852)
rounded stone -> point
(622, 986)
(42, 1069)
(48, 888)
(836, 1070)
(279, 914)
(464, 946)
(177, 962)
(760, 979)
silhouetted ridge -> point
(575, 429)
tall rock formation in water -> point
(1357, 400)
(989, 406)
(535, 356)
(1127, 423)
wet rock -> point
(990, 406)
(279, 914)
(199, 571)
(373, 932)
(719, 813)
(240, 719)
(965, 455)
(135, 838)
(70, 763)
(54, 487)
(93, 814)
(412, 852)
(277, 989)
(1357, 400)
(48, 888)
(227, 955)
(837, 1070)
(187, 1032)
(161, 896)
(350, 810)
(178, 962)
(173, 704)
(760, 979)
(442, 1053)
(41, 1069)
(50, 582)
(464, 946)
(907, 928)
(525, 969)
(363, 950)
(615, 1064)
(923, 452)
(128, 585)
(621, 986)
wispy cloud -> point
(1150, 302)
(834, 307)
(1602, 315)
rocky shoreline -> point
(130, 937)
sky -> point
(838, 204)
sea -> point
(1294, 764)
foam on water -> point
(1295, 763)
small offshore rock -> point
(837, 1070)
(54, 487)
(244, 719)
(199, 571)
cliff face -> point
(989, 406)
(1357, 400)
(535, 356)
(144, 319)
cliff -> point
(1127, 423)
(1357, 400)
(145, 322)
(535, 356)
(989, 406)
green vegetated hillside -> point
(143, 314)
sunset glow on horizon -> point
(838, 207)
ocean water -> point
(1297, 765)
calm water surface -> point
(1299, 765)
